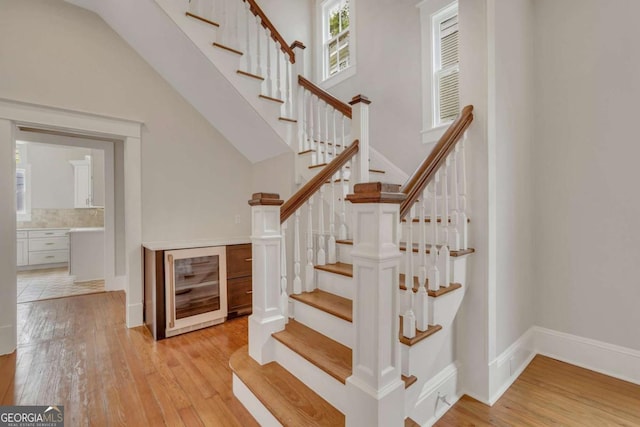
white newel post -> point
(375, 389)
(360, 131)
(297, 91)
(267, 316)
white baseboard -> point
(253, 405)
(117, 283)
(616, 361)
(8, 339)
(135, 315)
(609, 359)
(428, 408)
(507, 367)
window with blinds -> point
(446, 66)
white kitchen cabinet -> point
(82, 184)
(23, 251)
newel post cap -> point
(376, 192)
(358, 99)
(265, 199)
(297, 44)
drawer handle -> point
(249, 292)
(248, 259)
(50, 243)
(50, 256)
(48, 234)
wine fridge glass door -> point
(196, 286)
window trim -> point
(321, 58)
(431, 130)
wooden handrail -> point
(310, 188)
(416, 184)
(275, 35)
(325, 96)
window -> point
(23, 192)
(337, 40)
(446, 99)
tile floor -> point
(36, 285)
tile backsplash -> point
(64, 218)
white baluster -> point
(322, 258)
(258, 50)
(278, 71)
(409, 318)
(462, 218)
(454, 234)
(284, 298)
(318, 135)
(288, 65)
(236, 25)
(331, 250)
(311, 129)
(309, 270)
(326, 133)
(334, 124)
(344, 136)
(247, 48)
(224, 26)
(267, 48)
(302, 120)
(421, 304)
(444, 239)
(444, 266)
(297, 282)
(342, 232)
(434, 274)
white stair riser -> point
(327, 324)
(327, 387)
(344, 253)
(336, 284)
(262, 415)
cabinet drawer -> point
(38, 234)
(48, 257)
(50, 244)
(239, 293)
(22, 235)
(238, 261)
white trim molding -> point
(609, 359)
(430, 407)
(507, 367)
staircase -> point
(356, 284)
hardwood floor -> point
(77, 352)
(553, 393)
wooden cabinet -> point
(239, 288)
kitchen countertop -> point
(196, 243)
(85, 229)
(42, 228)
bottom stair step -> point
(408, 422)
(290, 401)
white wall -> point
(52, 180)
(193, 181)
(512, 127)
(388, 73)
(97, 171)
(586, 173)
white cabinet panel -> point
(48, 244)
(23, 252)
(45, 257)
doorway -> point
(124, 270)
(61, 183)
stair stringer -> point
(168, 48)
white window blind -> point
(446, 66)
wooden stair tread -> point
(290, 401)
(329, 355)
(409, 380)
(408, 422)
(403, 247)
(428, 219)
(227, 48)
(269, 98)
(247, 74)
(420, 335)
(442, 291)
(200, 18)
(337, 268)
(287, 119)
(327, 302)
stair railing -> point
(434, 215)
